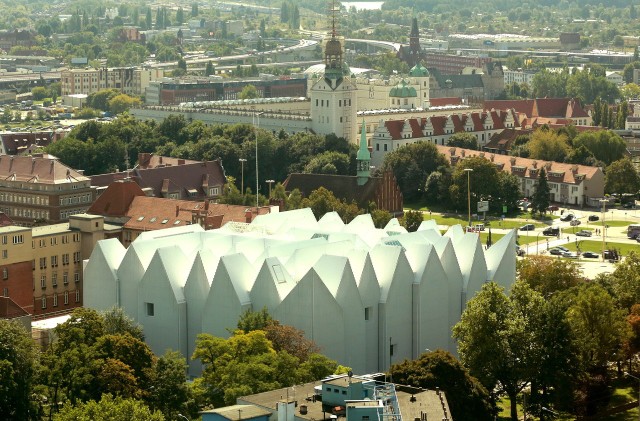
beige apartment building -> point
(42, 266)
(40, 189)
(128, 80)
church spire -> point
(363, 158)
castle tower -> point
(403, 96)
(333, 96)
(420, 80)
(363, 158)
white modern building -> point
(368, 297)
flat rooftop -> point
(413, 402)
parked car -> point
(555, 231)
(553, 208)
(570, 254)
(567, 217)
(593, 218)
(584, 233)
(611, 255)
(574, 222)
(562, 248)
(590, 255)
(629, 205)
(556, 251)
(527, 227)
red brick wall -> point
(19, 284)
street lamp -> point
(638, 379)
(537, 235)
(554, 413)
(242, 161)
(270, 182)
(469, 171)
(603, 202)
(256, 117)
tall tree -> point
(622, 177)
(496, 338)
(467, 397)
(548, 276)
(548, 145)
(540, 199)
(18, 365)
(599, 327)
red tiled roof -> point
(175, 178)
(541, 107)
(39, 168)
(5, 220)
(154, 213)
(18, 143)
(566, 173)
(116, 199)
(149, 160)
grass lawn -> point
(612, 223)
(596, 246)
(506, 224)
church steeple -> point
(414, 37)
(363, 158)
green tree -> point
(484, 182)
(18, 366)
(605, 145)
(540, 199)
(117, 322)
(109, 409)
(380, 217)
(246, 363)
(290, 340)
(329, 162)
(100, 100)
(548, 276)
(39, 93)
(463, 140)
(209, 69)
(179, 16)
(495, 338)
(548, 145)
(254, 320)
(170, 393)
(468, 399)
(624, 283)
(621, 176)
(412, 220)
(248, 92)
(411, 165)
(599, 328)
(122, 102)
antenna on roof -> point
(333, 18)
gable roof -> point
(37, 168)
(557, 172)
(541, 107)
(116, 199)
(184, 178)
(17, 143)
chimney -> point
(177, 210)
(462, 152)
(513, 160)
(247, 216)
(206, 205)
(492, 156)
(535, 164)
(180, 161)
(160, 159)
(143, 158)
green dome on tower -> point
(419, 71)
(403, 90)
